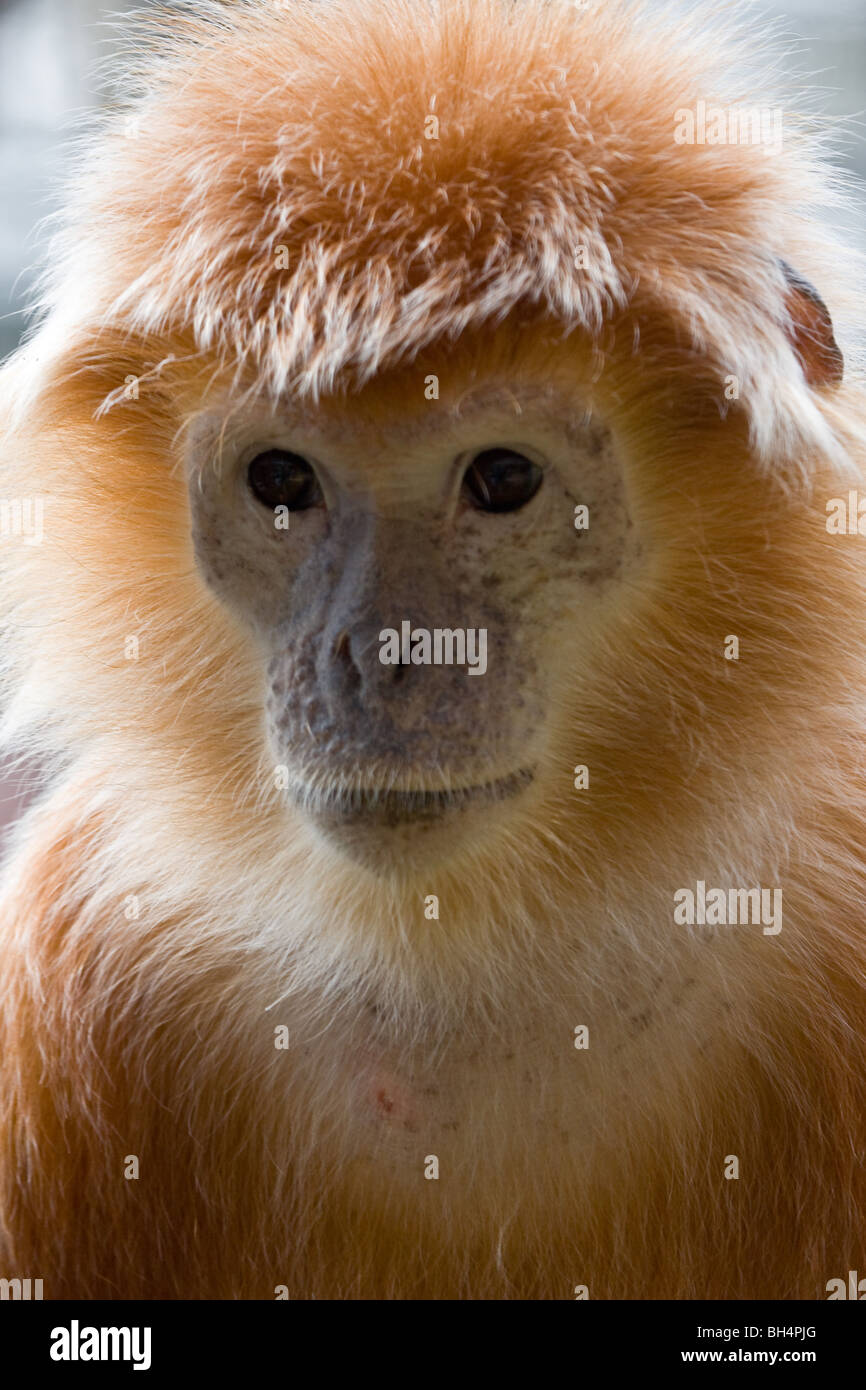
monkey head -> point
(492, 532)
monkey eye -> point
(280, 479)
(499, 480)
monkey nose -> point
(354, 666)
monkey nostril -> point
(400, 671)
(345, 660)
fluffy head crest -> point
(357, 180)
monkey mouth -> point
(381, 807)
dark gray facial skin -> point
(384, 758)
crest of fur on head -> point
(263, 215)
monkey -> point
(446, 876)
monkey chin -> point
(396, 832)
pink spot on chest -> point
(391, 1101)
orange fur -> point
(153, 1034)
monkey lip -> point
(380, 807)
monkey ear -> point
(811, 331)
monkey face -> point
(423, 584)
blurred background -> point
(47, 52)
